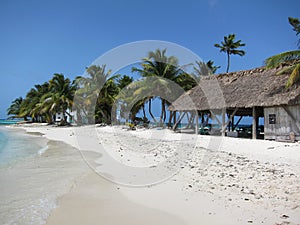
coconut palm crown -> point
(291, 58)
(230, 47)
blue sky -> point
(40, 38)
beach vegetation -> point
(59, 99)
(43, 101)
(213, 68)
(99, 90)
(31, 105)
(203, 69)
(230, 47)
(289, 58)
(14, 109)
(164, 68)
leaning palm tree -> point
(29, 104)
(230, 46)
(290, 58)
(15, 108)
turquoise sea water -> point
(21, 203)
(31, 178)
(16, 146)
(7, 122)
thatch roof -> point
(243, 89)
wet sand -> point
(94, 200)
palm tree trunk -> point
(49, 119)
(144, 112)
(164, 110)
(78, 118)
(162, 113)
(170, 119)
(150, 112)
(174, 118)
(228, 62)
(63, 121)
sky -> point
(40, 38)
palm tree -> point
(132, 99)
(230, 46)
(124, 81)
(186, 81)
(290, 58)
(204, 69)
(97, 91)
(29, 106)
(160, 65)
(15, 108)
(106, 99)
(296, 27)
(43, 101)
(201, 69)
(212, 67)
(60, 97)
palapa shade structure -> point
(248, 92)
(244, 89)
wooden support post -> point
(181, 115)
(223, 122)
(197, 123)
(216, 118)
(228, 123)
(254, 128)
(188, 118)
(237, 123)
(202, 120)
(191, 121)
(229, 120)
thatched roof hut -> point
(258, 92)
(243, 89)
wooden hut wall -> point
(281, 121)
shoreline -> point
(19, 138)
(31, 186)
(70, 203)
(192, 195)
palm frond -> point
(288, 69)
(276, 60)
(294, 77)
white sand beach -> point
(219, 181)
